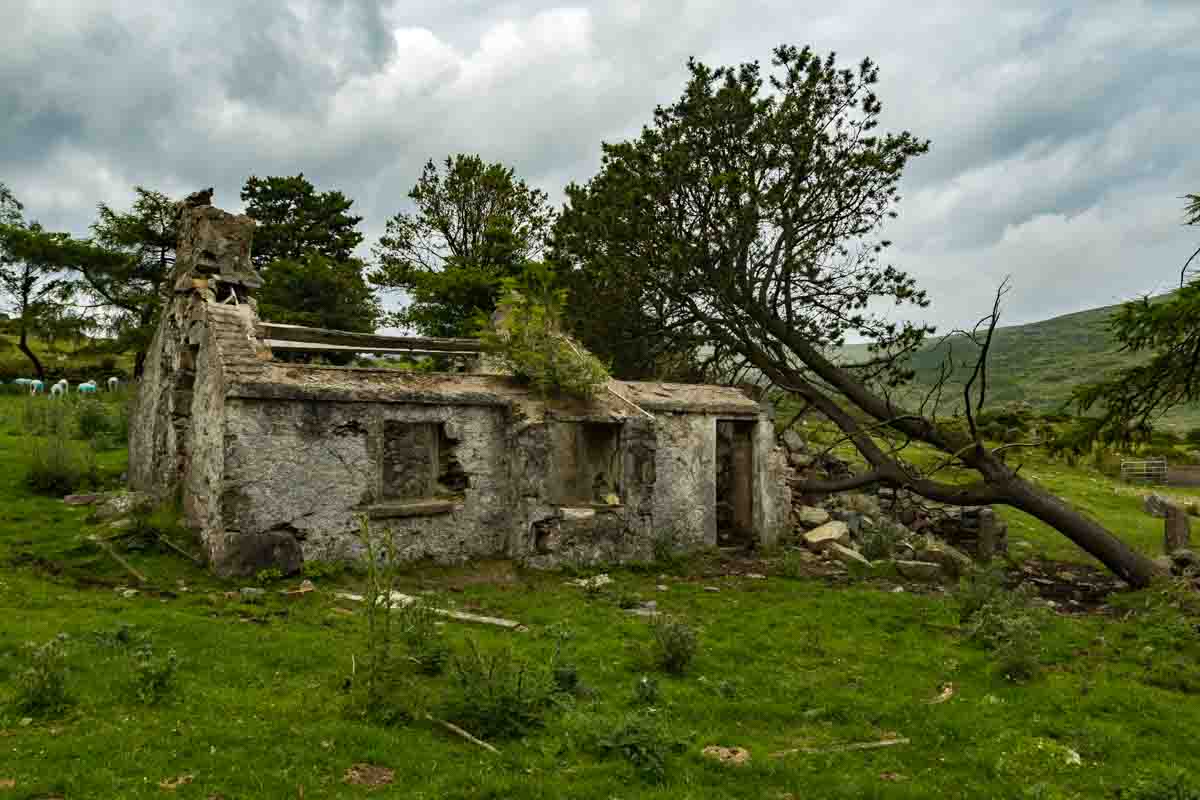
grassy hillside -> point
(1042, 362)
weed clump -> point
(57, 466)
(674, 644)
(877, 542)
(154, 677)
(427, 646)
(1002, 621)
(42, 684)
(645, 691)
(642, 740)
(500, 695)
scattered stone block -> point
(121, 505)
(846, 555)
(925, 571)
(862, 503)
(1156, 505)
(811, 516)
(800, 460)
(835, 531)
(646, 609)
(82, 499)
(952, 560)
(793, 441)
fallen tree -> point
(754, 214)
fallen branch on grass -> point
(399, 600)
(106, 547)
(450, 726)
(194, 559)
(840, 748)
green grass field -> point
(259, 708)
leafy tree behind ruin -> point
(131, 289)
(474, 225)
(318, 292)
(1168, 331)
(294, 219)
(33, 285)
(304, 246)
(751, 209)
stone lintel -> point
(412, 508)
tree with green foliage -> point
(131, 289)
(294, 219)
(474, 226)
(317, 291)
(1168, 332)
(751, 210)
(304, 246)
(31, 276)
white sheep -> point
(58, 389)
(113, 383)
(36, 387)
(88, 387)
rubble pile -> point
(926, 540)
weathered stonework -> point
(278, 463)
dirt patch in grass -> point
(369, 775)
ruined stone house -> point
(275, 462)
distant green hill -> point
(1040, 363)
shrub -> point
(645, 691)
(878, 541)
(530, 340)
(642, 740)
(500, 695)
(154, 676)
(268, 576)
(977, 589)
(1002, 621)
(42, 684)
(427, 647)
(675, 644)
(91, 418)
(58, 466)
(793, 565)
(380, 587)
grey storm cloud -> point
(1063, 132)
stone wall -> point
(685, 496)
(307, 469)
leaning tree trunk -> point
(23, 346)
(1134, 568)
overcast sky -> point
(1064, 133)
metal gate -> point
(1150, 470)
